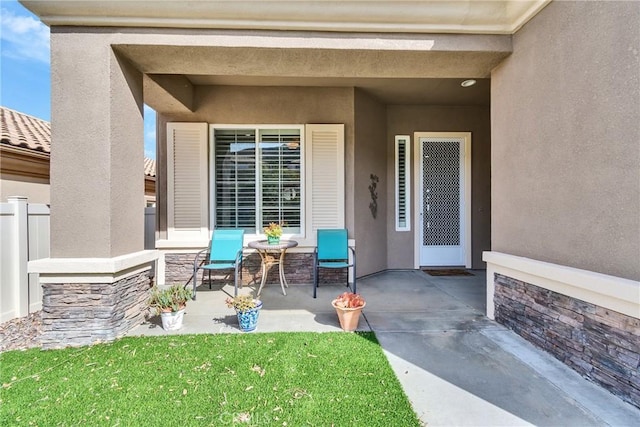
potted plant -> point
(273, 232)
(170, 303)
(247, 309)
(348, 306)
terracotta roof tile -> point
(22, 130)
(149, 167)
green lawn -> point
(279, 379)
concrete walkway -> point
(456, 366)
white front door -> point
(443, 174)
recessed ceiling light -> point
(468, 83)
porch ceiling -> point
(394, 76)
(402, 52)
(434, 91)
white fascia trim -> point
(467, 16)
(92, 270)
(505, 27)
(525, 17)
(234, 24)
(166, 244)
(611, 292)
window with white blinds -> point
(280, 162)
(235, 178)
(258, 177)
(403, 189)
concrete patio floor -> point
(456, 366)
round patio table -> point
(273, 254)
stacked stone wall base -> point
(298, 269)
(76, 314)
(601, 344)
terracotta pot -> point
(348, 317)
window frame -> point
(257, 128)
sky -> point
(25, 71)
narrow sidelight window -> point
(403, 186)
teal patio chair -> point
(333, 252)
(224, 253)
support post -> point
(20, 238)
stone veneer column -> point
(97, 280)
(93, 300)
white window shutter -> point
(187, 202)
(325, 176)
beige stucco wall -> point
(97, 80)
(96, 184)
(566, 126)
(407, 119)
(35, 189)
(370, 127)
(266, 105)
(371, 158)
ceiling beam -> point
(175, 90)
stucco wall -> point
(265, 105)
(35, 189)
(96, 180)
(407, 119)
(371, 159)
(565, 152)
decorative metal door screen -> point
(441, 192)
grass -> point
(276, 379)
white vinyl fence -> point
(150, 227)
(24, 236)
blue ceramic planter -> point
(248, 319)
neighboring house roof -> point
(149, 167)
(24, 131)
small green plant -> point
(242, 302)
(170, 299)
(273, 230)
